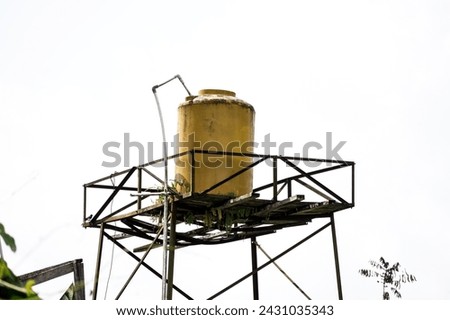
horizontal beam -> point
(50, 273)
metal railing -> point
(303, 177)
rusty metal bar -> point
(300, 176)
(254, 268)
(270, 261)
(274, 179)
(172, 243)
(289, 186)
(315, 190)
(336, 257)
(325, 188)
(256, 155)
(99, 261)
(113, 194)
(234, 175)
(145, 265)
(112, 214)
(113, 175)
(104, 186)
(193, 164)
(253, 155)
(139, 188)
(283, 272)
(151, 174)
(84, 203)
(353, 184)
(139, 264)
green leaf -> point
(7, 238)
(29, 287)
(11, 288)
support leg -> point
(336, 257)
(99, 261)
(254, 269)
(172, 240)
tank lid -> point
(215, 96)
(216, 92)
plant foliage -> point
(390, 276)
(7, 238)
(11, 288)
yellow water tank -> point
(215, 120)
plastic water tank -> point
(215, 120)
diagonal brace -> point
(147, 266)
(270, 261)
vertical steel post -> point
(84, 203)
(353, 184)
(336, 257)
(172, 241)
(254, 269)
(99, 261)
(78, 277)
(275, 179)
(139, 188)
(192, 164)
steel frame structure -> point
(217, 219)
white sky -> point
(77, 74)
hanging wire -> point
(164, 272)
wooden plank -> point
(49, 273)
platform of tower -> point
(294, 192)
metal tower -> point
(291, 196)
